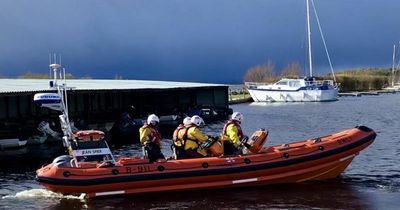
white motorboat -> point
(294, 90)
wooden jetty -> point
(366, 93)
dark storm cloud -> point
(212, 40)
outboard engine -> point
(48, 100)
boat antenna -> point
(49, 66)
(309, 38)
(65, 93)
(323, 41)
(62, 92)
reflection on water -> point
(328, 194)
(371, 182)
(297, 196)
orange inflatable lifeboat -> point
(94, 171)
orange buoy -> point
(89, 135)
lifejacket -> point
(175, 138)
(185, 137)
(230, 122)
(155, 136)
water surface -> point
(372, 181)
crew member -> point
(233, 135)
(150, 138)
(179, 143)
(193, 138)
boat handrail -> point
(252, 84)
(320, 83)
(308, 83)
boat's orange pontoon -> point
(314, 159)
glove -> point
(244, 142)
(245, 139)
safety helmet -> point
(237, 116)
(197, 120)
(186, 121)
(152, 119)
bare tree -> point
(261, 73)
(292, 70)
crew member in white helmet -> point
(150, 138)
(179, 143)
(233, 134)
(193, 137)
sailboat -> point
(306, 89)
(394, 86)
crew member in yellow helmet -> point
(233, 135)
(193, 137)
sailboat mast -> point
(309, 38)
(394, 57)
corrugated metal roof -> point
(35, 85)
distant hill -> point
(31, 75)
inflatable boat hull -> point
(314, 159)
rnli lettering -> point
(143, 169)
(139, 169)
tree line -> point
(362, 79)
(266, 72)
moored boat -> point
(314, 159)
(306, 89)
(294, 90)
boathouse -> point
(102, 101)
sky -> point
(192, 40)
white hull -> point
(393, 88)
(262, 95)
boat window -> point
(294, 83)
(282, 83)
